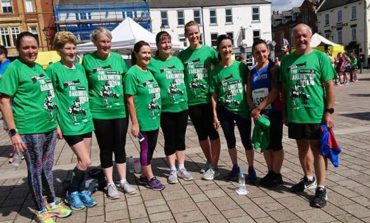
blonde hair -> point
(63, 37)
(97, 31)
(190, 23)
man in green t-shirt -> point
(308, 92)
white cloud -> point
(280, 5)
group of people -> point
(71, 100)
(346, 67)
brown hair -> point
(136, 49)
(188, 24)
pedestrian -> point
(308, 92)
(263, 96)
(198, 60)
(144, 104)
(230, 105)
(4, 61)
(74, 116)
(105, 71)
(354, 67)
(32, 124)
(168, 71)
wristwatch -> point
(329, 110)
(12, 132)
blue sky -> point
(279, 5)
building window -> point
(327, 19)
(180, 18)
(354, 36)
(327, 35)
(197, 16)
(6, 6)
(256, 35)
(15, 33)
(339, 16)
(340, 36)
(182, 39)
(354, 13)
(33, 30)
(214, 39)
(164, 19)
(228, 15)
(212, 16)
(255, 14)
(29, 6)
(129, 14)
(231, 35)
(5, 37)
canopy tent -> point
(125, 35)
(317, 39)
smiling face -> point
(68, 52)
(225, 49)
(103, 44)
(261, 53)
(143, 56)
(193, 34)
(28, 50)
(165, 46)
(302, 38)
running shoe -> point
(86, 198)
(44, 217)
(234, 173)
(112, 191)
(128, 188)
(303, 185)
(184, 174)
(205, 167)
(172, 177)
(252, 176)
(320, 198)
(155, 184)
(210, 174)
(59, 210)
(74, 201)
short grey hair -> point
(97, 31)
(308, 28)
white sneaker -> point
(184, 174)
(128, 188)
(210, 174)
(172, 177)
(205, 167)
(112, 191)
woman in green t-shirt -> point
(74, 116)
(105, 71)
(144, 104)
(168, 70)
(198, 60)
(32, 123)
(230, 105)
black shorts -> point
(202, 118)
(304, 131)
(74, 139)
(276, 130)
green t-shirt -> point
(105, 78)
(34, 101)
(198, 64)
(170, 77)
(71, 89)
(229, 85)
(303, 77)
(147, 97)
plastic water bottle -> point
(131, 164)
(137, 166)
(242, 189)
(17, 158)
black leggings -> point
(147, 146)
(202, 119)
(111, 137)
(174, 127)
(228, 121)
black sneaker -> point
(278, 178)
(265, 181)
(319, 201)
(303, 185)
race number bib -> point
(259, 95)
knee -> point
(85, 164)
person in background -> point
(308, 97)
(230, 105)
(168, 71)
(354, 67)
(74, 116)
(4, 61)
(263, 96)
(105, 71)
(198, 61)
(143, 97)
(32, 124)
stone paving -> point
(216, 201)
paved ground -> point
(216, 201)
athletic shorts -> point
(304, 131)
(74, 139)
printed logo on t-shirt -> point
(46, 86)
(177, 77)
(109, 92)
(232, 89)
(154, 91)
(199, 74)
(77, 109)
